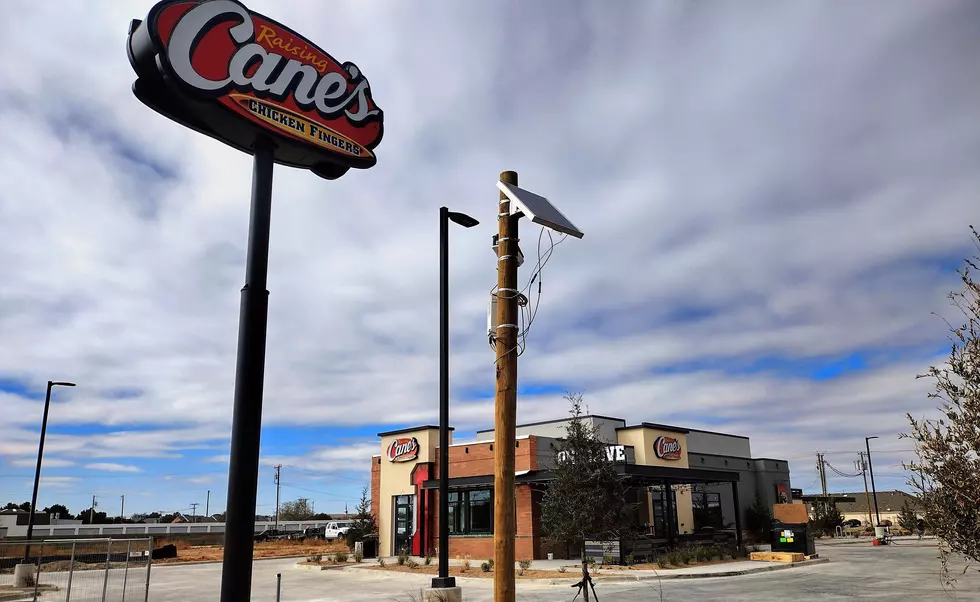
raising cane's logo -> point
(403, 450)
(195, 56)
(667, 448)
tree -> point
(295, 510)
(946, 473)
(907, 518)
(86, 517)
(759, 520)
(26, 506)
(586, 498)
(59, 510)
(363, 524)
(826, 518)
(320, 516)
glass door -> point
(404, 525)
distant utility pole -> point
(207, 504)
(91, 514)
(823, 475)
(194, 506)
(122, 507)
(863, 467)
(278, 470)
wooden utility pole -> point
(505, 400)
(867, 496)
(821, 471)
(278, 469)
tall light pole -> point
(40, 453)
(445, 216)
(871, 469)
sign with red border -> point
(233, 74)
(404, 449)
(667, 448)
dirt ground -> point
(263, 549)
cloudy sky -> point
(775, 197)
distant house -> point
(889, 506)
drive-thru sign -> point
(256, 85)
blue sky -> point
(774, 203)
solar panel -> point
(538, 209)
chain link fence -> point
(76, 570)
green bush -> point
(411, 563)
(340, 556)
(485, 567)
(663, 560)
(490, 563)
(524, 564)
(358, 555)
(315, 557)
(402, 556)
(428, 559)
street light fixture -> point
(871, 469)
(445, 216)
(40, 453)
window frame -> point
(461, 511)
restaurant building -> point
(686, 483)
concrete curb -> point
(645, 576)
(649, 576)
(157, 565)
(299, 566)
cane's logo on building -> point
(403, 450)
(667, 448)
(218, 53)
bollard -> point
(278, 585)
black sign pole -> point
(246, 427)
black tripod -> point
(581, 584)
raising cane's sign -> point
(667, 448)
(403, 450)
(230, 73)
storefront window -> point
(471, 512)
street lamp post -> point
(445, 216)
(37, 470)
(871, 469)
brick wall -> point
(477, 459)
(376, 488)
(479, 549)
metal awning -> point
(634, 472)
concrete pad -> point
(443, 594)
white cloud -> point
(773, 201)
(46, 463)
(113, 467)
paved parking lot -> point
(905, 571)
